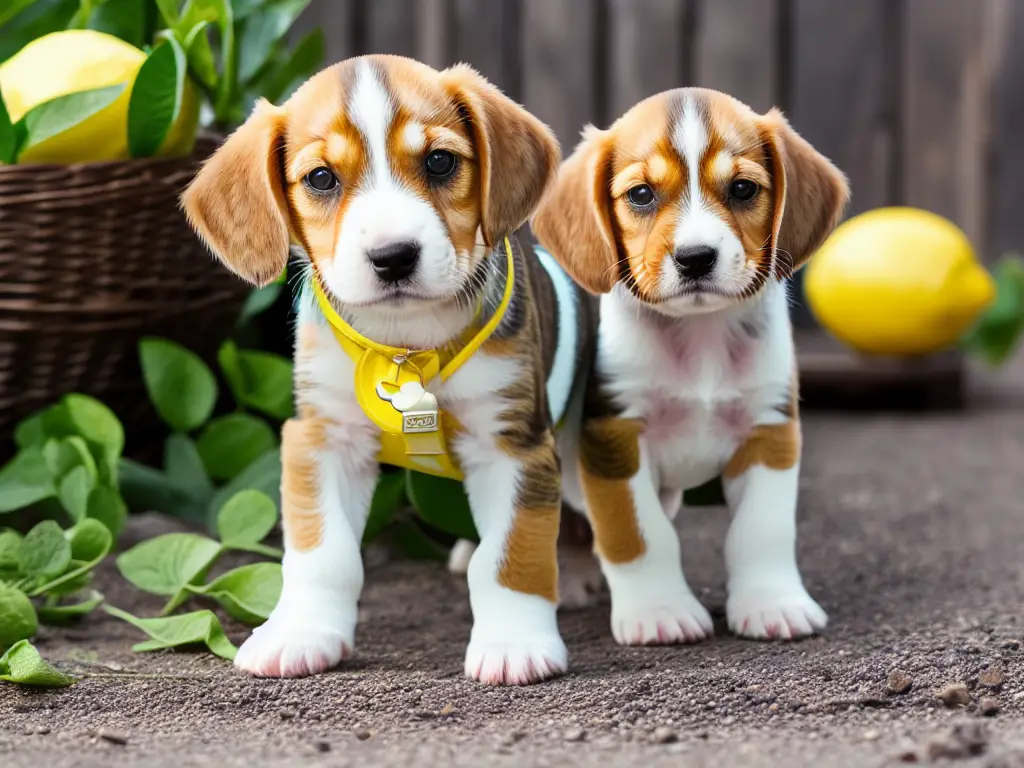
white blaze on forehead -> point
(690, 139)
(371, 111)
(414, 138)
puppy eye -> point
(641, 196)
(742, 190)
(321, 179)
(440, 163)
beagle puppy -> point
(425, 339)
(687, 216)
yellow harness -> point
(392, 386)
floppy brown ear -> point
(236, 203)
(517, 153)
(574, 221)
(810, 194)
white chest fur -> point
(700, 382)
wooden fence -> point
(920, 101)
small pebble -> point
(42, 730)
(663, 735)
(954, 695)
(288, 714)
(871, 735)
(1011, 644)
(513, 738)
(114, 737)
(322, 746)
(574, 734)
(363, 734)
(898, 682)
(988, 706)
(993, 677)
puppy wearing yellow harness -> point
(425, 339)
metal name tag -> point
(414, 422)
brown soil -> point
(912, 534)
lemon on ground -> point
(897, 281)
(77, 60)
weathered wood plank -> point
(944, 86)
(391, 26)
(336, 18)
(648, 50)
(558, 40)
(840, 97)
(478, 35)
(1006, 167)
(735, 49)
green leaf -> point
(17, 616)
(264, 475)
(55, 116)
(25, 481)
(441, 503)
(246, 519)
(45, 552)
(268, 383)
(149, 490)
(231, 366)
(8, 136)
(22, 664)
(12, 9)
(38, 19)
(88, 537)
(126, 19)
(184, 466)
(64, 455)
(388, 497)
(156, 98)
(258, 301)
(31, 432)
(90, 540)
(106, 506)
(61, 614)
(196, 628)
(166, 564)
(248, 594)
(304, 62)
(999, 331)
(169, 11)
(70, 586)
(261, 32)
(231, 443)
(74, 492)
(10, 550)
(180, 385)
(200, 55)
(98, 425)
(415, 544)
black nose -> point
(695, 261)
(394, 262)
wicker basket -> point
(92, 258)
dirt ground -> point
(911, 537)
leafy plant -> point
(999, 331)
(196, 628)
(45, 576)
(22, 664)
(68, 460)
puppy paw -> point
(784, 613)
(516, 663)
(288, 647)
(669, 622)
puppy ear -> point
(518, 155)
(574, 220)
(236, 203)
(810, 194)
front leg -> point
(767, 598)
(328, 477)
(514, 491)
(636, 542)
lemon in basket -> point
(898, 282)
(77, 60)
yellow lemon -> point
(897, 281)
(77, 60)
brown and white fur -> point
(372, 122)
(695, 373)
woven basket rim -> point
(203, 137)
